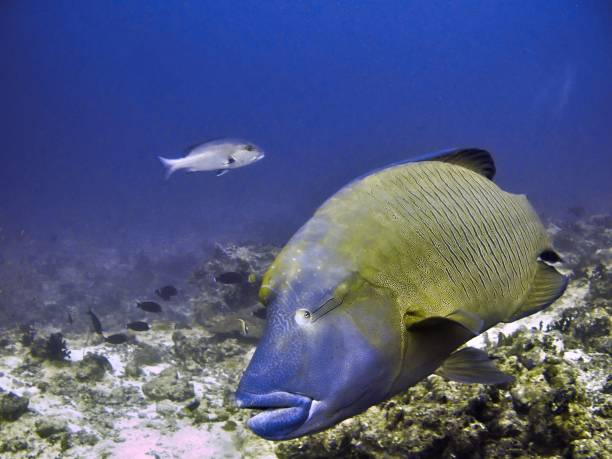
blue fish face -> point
(309, 372)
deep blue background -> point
(92, 92)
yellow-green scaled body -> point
(389, 277)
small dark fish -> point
(577, 211)
(138, 325)
(230, 277)
(70, 321)
(167, 292)
(117, 338)
(193, 405)
(97, 325)
(149, 306)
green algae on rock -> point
(93, 367)
(168, 385)
(12, 406)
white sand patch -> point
(198, 389)
(576, 355)
(574, 296)
(154, 370)
(116, 362)
(138, 440)
(11, 362)
(112, 354)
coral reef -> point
(28, 333)
(169, 391)
(216, 300)
(52, 348)
(93, 367)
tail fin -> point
(171, 166)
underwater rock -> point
(243, 326)
(132, 370)
(584, 243)
(216, 299)
(146, 354)
(14, 445)
(12, 406)
(48, 426)
(27, 335)
(165, 408)
(191, 347)
(600, 283)
(207, 414)
(5, 342)
(168, 385)
(93, 367)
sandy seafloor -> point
(83, 408)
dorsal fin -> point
(190, 150)
(475, 159)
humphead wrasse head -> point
(326, 355)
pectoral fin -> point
(228, 161)
(472, 366)
(221, 172)
(548, 285)
(468, 320)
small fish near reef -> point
(95, 322)
(149, 306)
(244, 327)
(138, 325)
(117, 338)
(383, 285)
(216, 155)
(230, 277)
(167, 292)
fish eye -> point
(249, 148)
(303, 316)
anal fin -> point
(472, 366)
(548, 285)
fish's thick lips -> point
(282, 413)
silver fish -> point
(217, 155)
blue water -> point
(92, 92)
